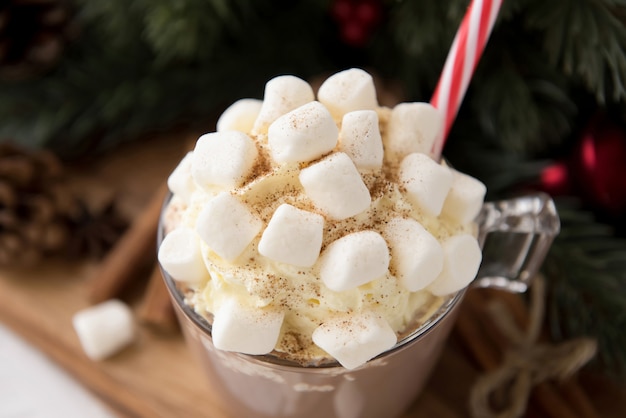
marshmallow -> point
(104, 329)
(353, 339)
(361, 140)
(181, 257)
(246, 329)
(282, 94)
(227, 226)
(348, 90)
(180, 181)
(353, 260)
(293, 236)
(465, 198)
(335, 186)
(426, 182)
(223, 159)
(462, 257)
(302, 135)
(239, 116)
(412, 127)
(416, 255)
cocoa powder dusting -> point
(294, 289)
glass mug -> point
(515, 235)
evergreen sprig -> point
(154, 63)
(123, 79)
(530, 88)
(586, 272)
(585, 38)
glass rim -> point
(203, 324)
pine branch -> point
(105, 93)
(529, 88)
(585, 38)
(193, 29)
(522, 104)
(149, 64)
(416, 41)
(115, 23)
(586, 269)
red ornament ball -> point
(600, 164)
(596, 169)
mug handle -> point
(515, 235)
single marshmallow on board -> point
(104, 329)
(353, 260)
(427, 182)
(282, 94)
(223, 159)
(180, 181)
(335, 186)
(354, 339)
(293, 236)
(412, 127)
(465, 198)
(246, 329)
(348, 90)
(227, 226)
(239, 116)
(181, 257)
(361, 140)
(462, 257)
(302, 135)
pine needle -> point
(586, 271)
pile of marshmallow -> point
(332, 141)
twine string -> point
(504, 392)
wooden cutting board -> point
(156, 376)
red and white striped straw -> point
(463, 57)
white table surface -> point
(32, 386)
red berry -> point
(342, 10)
(368, 12)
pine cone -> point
(39, 217)
(30, 226)
(33, 34)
